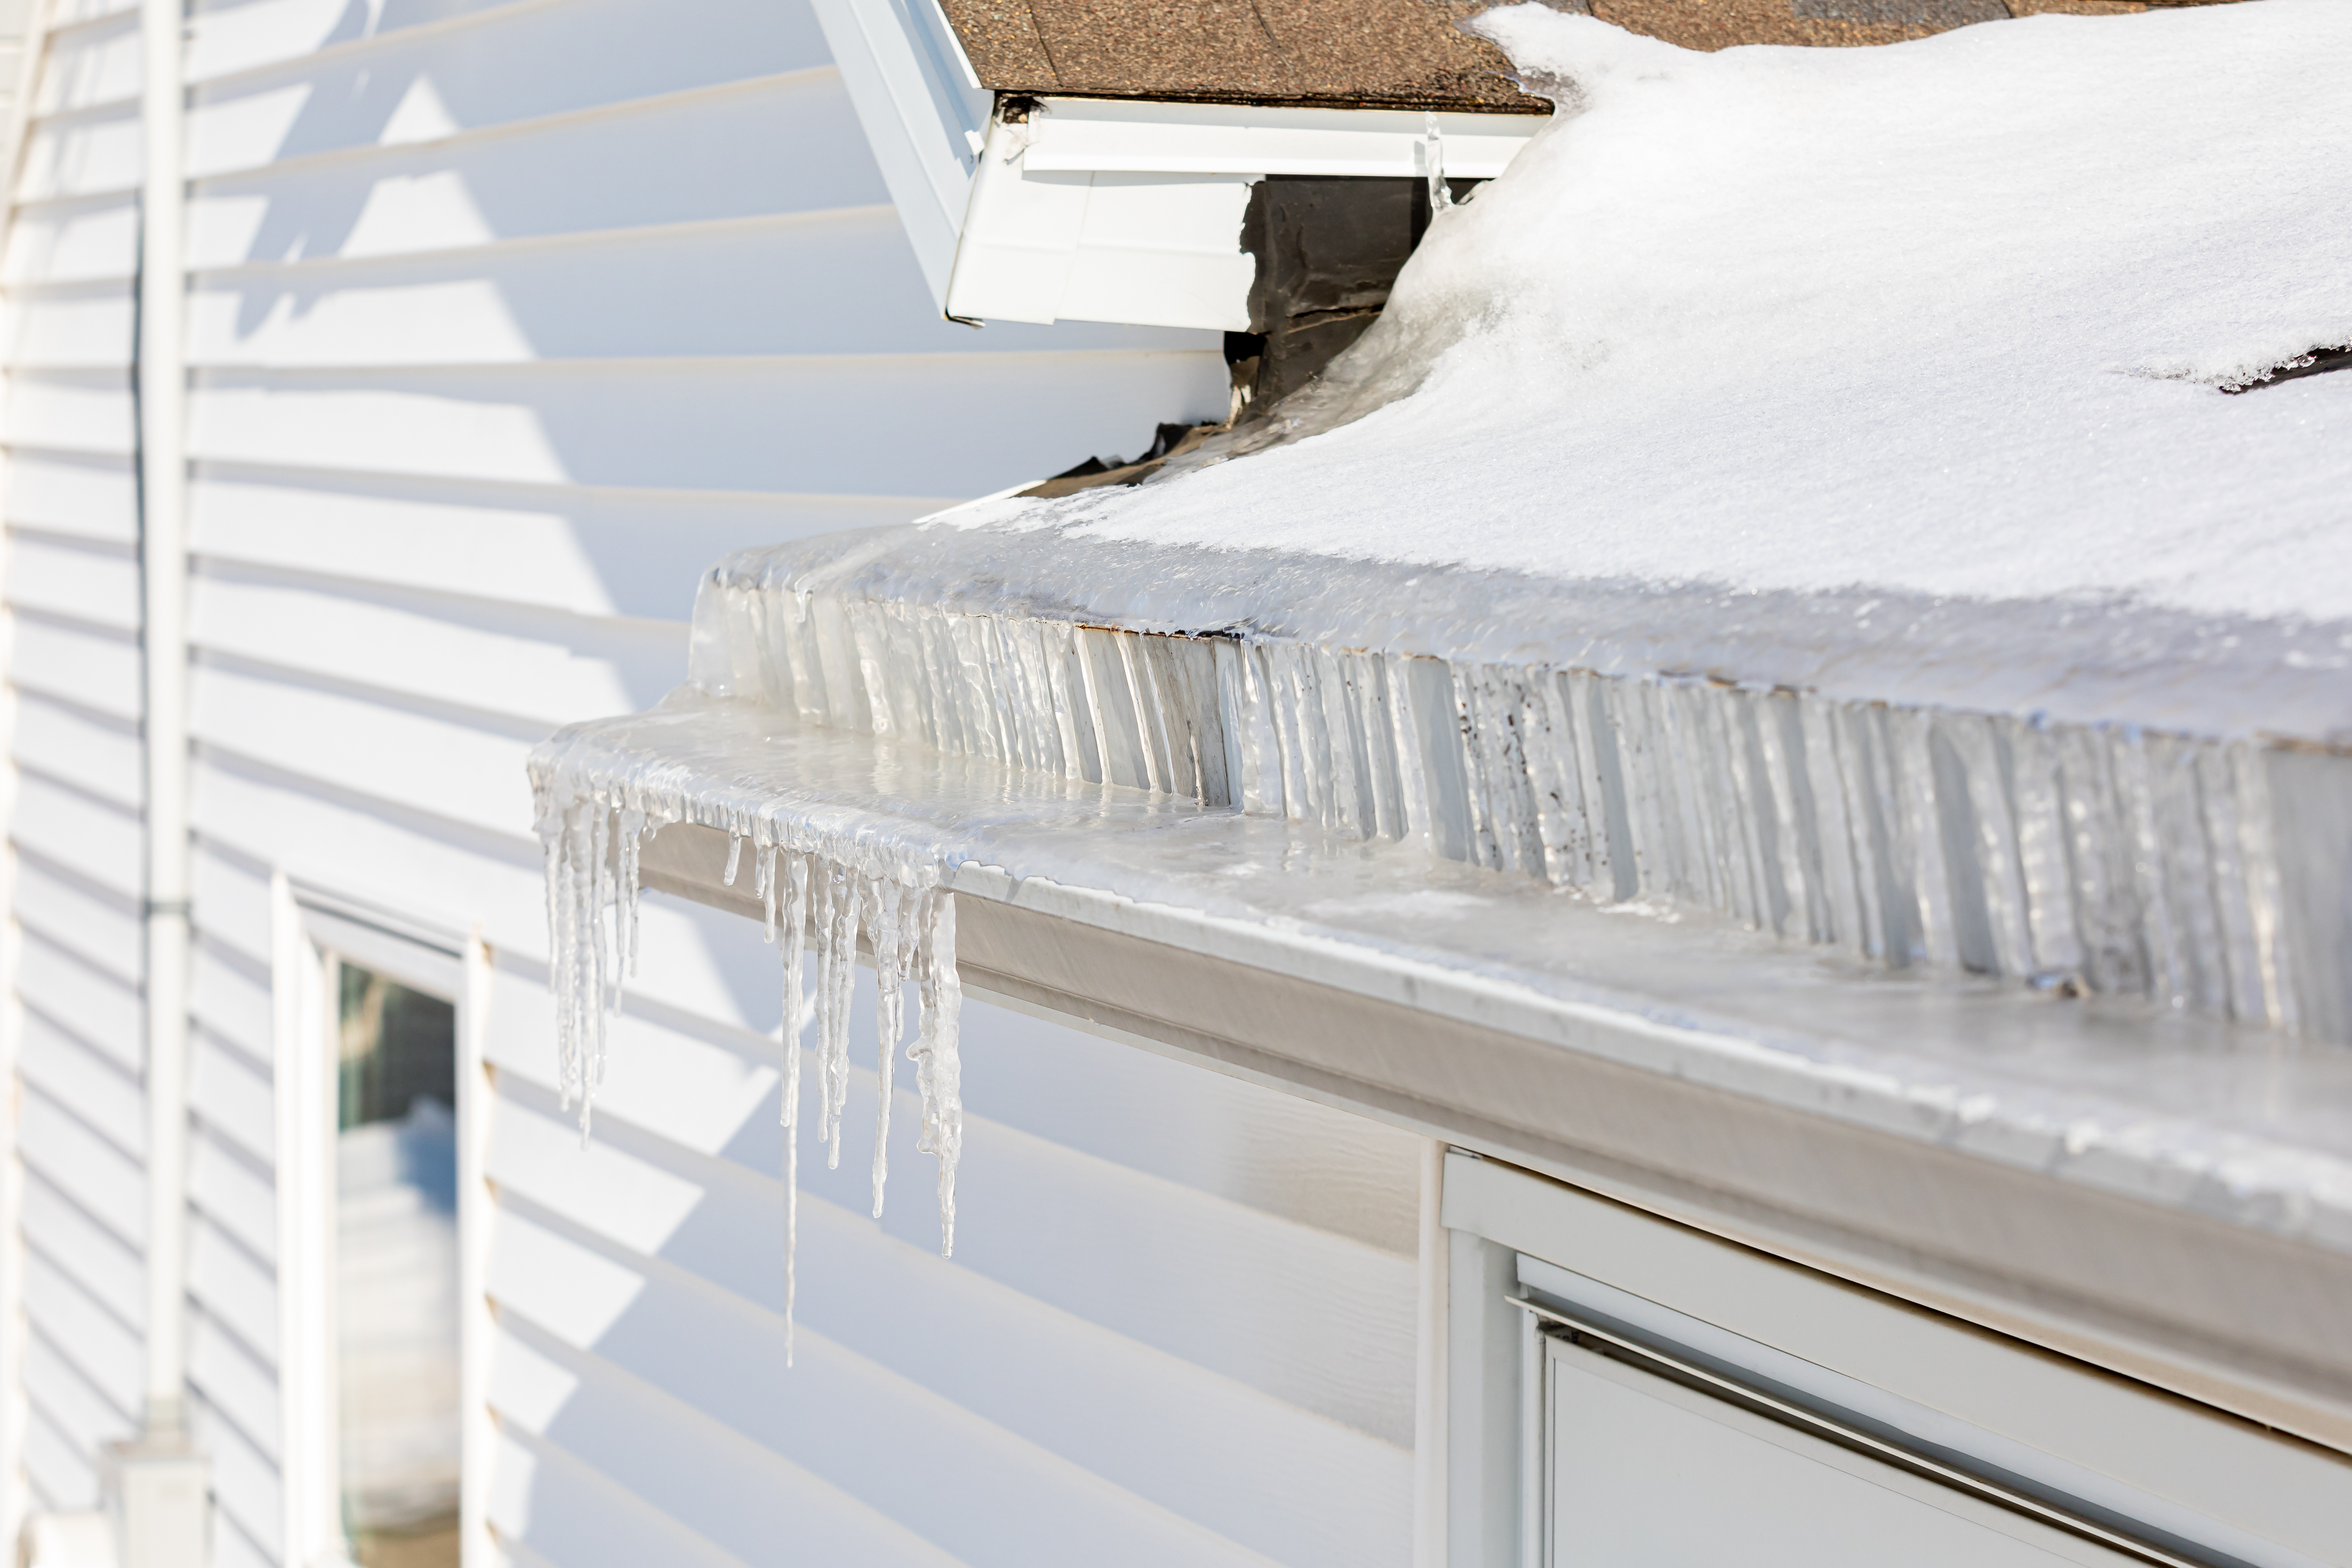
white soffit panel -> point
(1115, 210)
(923, 111)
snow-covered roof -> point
(1831, 338)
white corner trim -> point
(923, 112)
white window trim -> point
(2182, 1468)
(315, 930)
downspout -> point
(162, 369)
(156, 1484)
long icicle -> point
(889, 899)
(795, 873)
(936, 1052)
(840, 965)
(765, 879)
(825, 891)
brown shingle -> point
(1407, 53)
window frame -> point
(317, 932)
(1527, 1251)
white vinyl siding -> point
(73, 1278)
(504, 322)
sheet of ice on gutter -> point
(2158, 1104)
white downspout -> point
(156, 1483)
(163, 563)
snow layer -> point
(1865, 330)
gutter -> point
(2167, 1196)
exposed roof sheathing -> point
(1410, 53)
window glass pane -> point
(396, 1273)
(1644, 1473)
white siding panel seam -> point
(525, 728)
(391, 262)
(85, 285)
(98, 1300)
(264, 378)
(244, 1056)
(32, 1089)
(126, 808)
(369, 42)
(259, 1355)
(61, 1356)
(519, 849)
(744, 87)
(560, 627)
(62, 31)
(97, 110)
(41, 204)
(91, 457)
(124, 975)
(593, 1370)
(372, 483)
(679, 1546)
(63, 621)
(37, 859)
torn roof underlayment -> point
(1793, 520)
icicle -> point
(734, 858)
(766, 877)
(827, 878)
(1440, 196)
(938, 1068)
(887, 899)
(796, 1015)
(635, 830)
(838, 963)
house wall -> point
(504, 320)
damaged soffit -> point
(1395, 53)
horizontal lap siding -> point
(505, 320)
(69, 595)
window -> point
(383, 1324)
(396, 1274)
(1626, 1392)
(1653, 1460)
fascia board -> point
(1117, 136)
(922, 111)
(1160, 251)
(1129, 211)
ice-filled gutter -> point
(1932, 1114)
(2103, 858)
